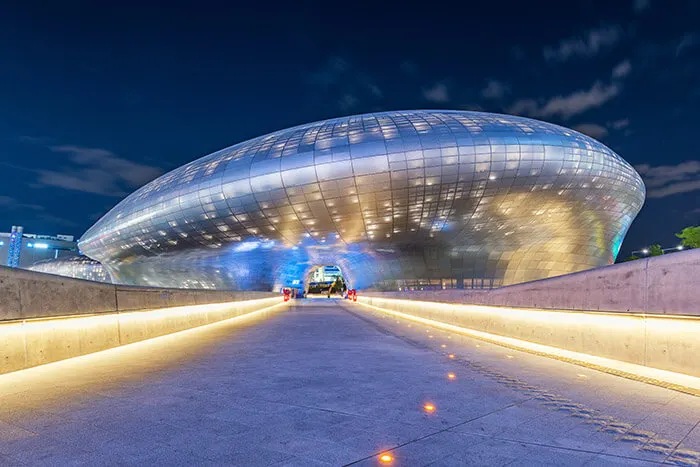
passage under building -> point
(394, 199)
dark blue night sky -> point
(97, 99)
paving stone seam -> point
(604, 369)
(496, 376)
(677, 447)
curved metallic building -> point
(445, 198)
(77, 267)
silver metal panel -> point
(396, 199)
(77, 267)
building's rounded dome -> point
(391, 196)
(77, 267)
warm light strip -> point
(602, 363)
(80, 323)
(544, 315)
(103, 318)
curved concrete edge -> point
(664, 284)
(29, 343)
(29, 294)
(657, 342)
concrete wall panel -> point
(10, 307)
(29, 294)
(47, 343)
(664, 285)
(46, 318)
(12, 347)
(28, 343)
(656, 341)
(32, 294)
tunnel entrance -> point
(326, 280)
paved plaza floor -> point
(327, 382)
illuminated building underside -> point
(393, 198)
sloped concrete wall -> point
(645, 312)
(666, 285)
(656, 341)
(29, 294)
(45, 318)
(28, 343)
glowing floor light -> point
(664, 378)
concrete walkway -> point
(333, 383)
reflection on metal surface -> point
(77, 267)
(435, 198)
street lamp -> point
(645, 251)
(675, 248)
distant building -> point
(14, 246)
(326, 274)
(21, 250)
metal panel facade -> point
(440, 197)
(77, 267)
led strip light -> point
(667, 379)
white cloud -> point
(640, 5)
(667, 180)
(495, 90)
(437, 93)
(689, 40)
(348, 101)
(580, 101)
(524, 107)
(674, 189)
(374, 89)
(592, 129)
(566, 106)
(8, 202)
(337, 79)
(620, 124)
(584, 46)
(98, 171)
(329, 73)
(622, 69)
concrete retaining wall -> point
(661, 342)
(645, 312)
(29, 294)
(45, 318)
(24, 344)
(665, 284)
